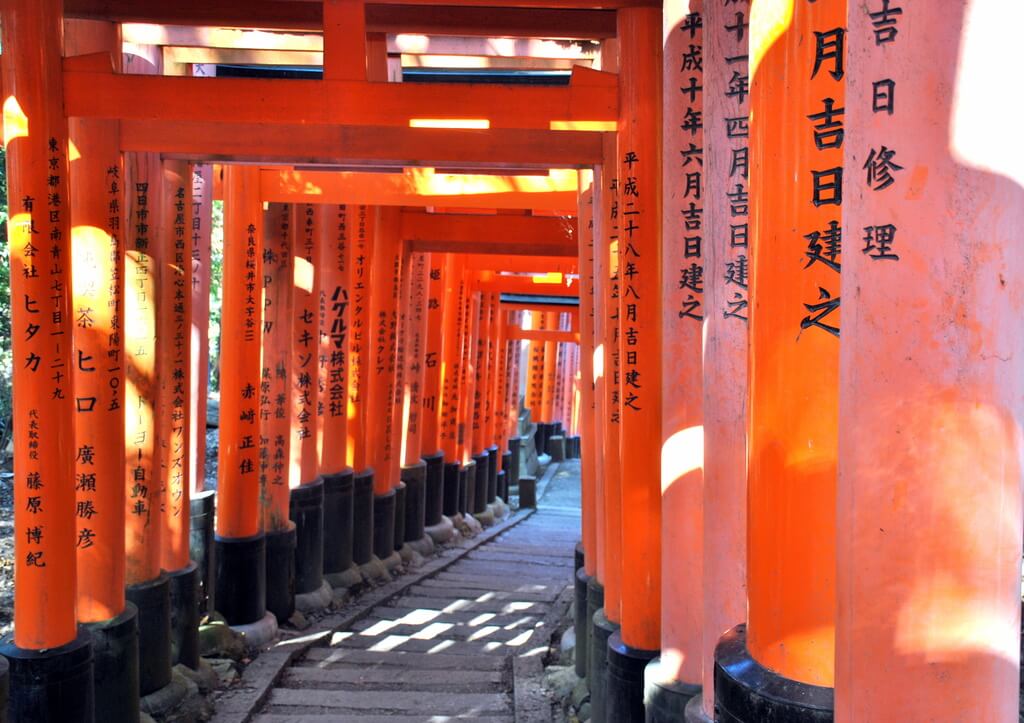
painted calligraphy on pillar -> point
(277, 274)
(881, 170)
(614, 292)
(335, 302)
(823, 244)
(181, 358)
(632, 385)
(691, 150)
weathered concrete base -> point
(442, 532)
(695, 711)
(424, 546)
(311, 602)
(405, 552)
(392, 562)
(469, 526)
(486, 517)
(176, 701)
(346, 579)
(205, 677)
(501, 509)
(259, 633)
(374, 570)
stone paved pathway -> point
(444, 651)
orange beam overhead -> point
(362, 145)
(420, 187)
(529, 285)
(591, 96)
(514, 235)
(519, 264)
(541, 22)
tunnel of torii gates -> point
(631, 223)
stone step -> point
(340, 657)
(424, 704)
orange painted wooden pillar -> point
(590, 483)
(451, 362)
(547, 411)
(478, 417)
(411, 517)
(309, 234)
(433, 365)
(174, 334)
(276, 437)
(382, 373)
(335, 322)
(640, 307)
(431, 393)
(535, 378)
(240, 543)
(593, 286)
(275, 381)
(96, 205)
(675, 677)
(200, 230)
(363, 222)
(467, 389)
(309, 225)
(726, 262)
(928, 515)
(797, 56)
(39, 238)
(97, 244)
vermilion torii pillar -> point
(240, 542)
(796, 138)
(200, 229)
(51, 663)
(335, 328)
(381, 372)
(414, 417)
(275, 407)
(467, 391)
(436, 524)
(451, 364)
(726, 302)
(309, 232)
(675, 677)
(929, 514)
(640, 309)
(174, 332)
(604, 596)
(477, 413)
(362, 224)
(97, 241)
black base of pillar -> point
(241, 581)
(401, 492)
(115, 653)
(665, 700)
(492, 474)
(579, 620)
(556, 429)
(506, 467)
(362, 517)
(415, 478)
(624, 702)
(466, 487)
(384, 524)
(49, 686)
(578, 556)
(306, 510)
(338, 522)
(514, 448)
(528, 492)
(746, 691)
(597, 670)
(185, 615)
(201, 512)
(452, 490)
(540, 437)
(152, 599)
(502, 485)
(479, 483)
(281, 572)
(434, 489)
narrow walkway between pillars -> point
(445, 649)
